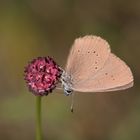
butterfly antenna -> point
(72, 102)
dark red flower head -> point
(42, 75)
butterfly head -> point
(66, 83)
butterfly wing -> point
(115, 75)
(87, 56)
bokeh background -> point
(32, 28)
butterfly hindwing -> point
(115, 75)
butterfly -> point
(92, 67)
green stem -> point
(38, 118)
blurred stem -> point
(38, 118)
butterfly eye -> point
(69, 91)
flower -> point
(41, 75)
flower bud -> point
(41, 75)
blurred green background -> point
(32, 28)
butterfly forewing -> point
(87, 56)
(115, 75)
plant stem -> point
(38, 118)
